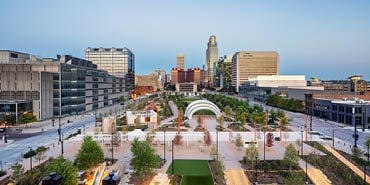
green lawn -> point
(194, 172)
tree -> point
(290, 157)
(207, 138)
(178, 139)
(123, 99)
(64, 168)
(367, 143)
(40, 153)
(89, 155)
(27, 118)
(228, 111)
(144, 159)
(221, 120)
(356, 152)
(238, 141)
(251, 153)
(294, 178)
(200, 121)
(17, 174)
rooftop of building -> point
(107, 49)
(343, 97)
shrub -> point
(2, 173)
(29, 154)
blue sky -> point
(325, 39)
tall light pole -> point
(217, 143)
(306, 171)
(164, 146)
(333, 137)
(256, 171)
(302, 144)
(355, 136)
(30, 159)
(62, 147)
(5, 135)
(173, 161)
(264, 144)
(112, 142)
(60, 130)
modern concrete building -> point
(116, 61)
(288, 86)
(51, 88)
(7, 56)
(180, 60)
(211, 57)
(139, 117)
(249, 64)
(222, 78)
(342, 108)
(186, 87)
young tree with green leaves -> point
(17, 174)
(221, 120)
(367, 144)
(90, 155)
(290, 156)
(238, 141)
(64, 168)
(27, 118)
(40, 153)
(251, 153)
(142, 150)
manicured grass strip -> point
(193, 180)
(190, 168)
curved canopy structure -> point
(201, 105)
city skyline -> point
(315, 38)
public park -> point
(166, 138)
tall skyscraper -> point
(211, 57)
(180, 58)
(249, 64)
(116, 61)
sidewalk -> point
(354, 168)
(316, 175)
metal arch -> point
(201, 105)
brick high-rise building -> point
(177, 76)
(193, 75)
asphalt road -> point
(10, 154)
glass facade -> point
(116, 61)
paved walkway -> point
(316, 175)
(236, 177)
(354, 168)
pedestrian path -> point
(348, 163)
(316, 175)
(236, 177)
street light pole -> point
(302, 144)
(62, 147)
(112, 144)
(5, 135)
(30, 159)
(306, 171)
(264, 144)
(173, 162)
(53, 122)
(217, 143)
(256, 171)
(333, 137)
(60, 129)
(164, 142)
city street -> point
(11, 152)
